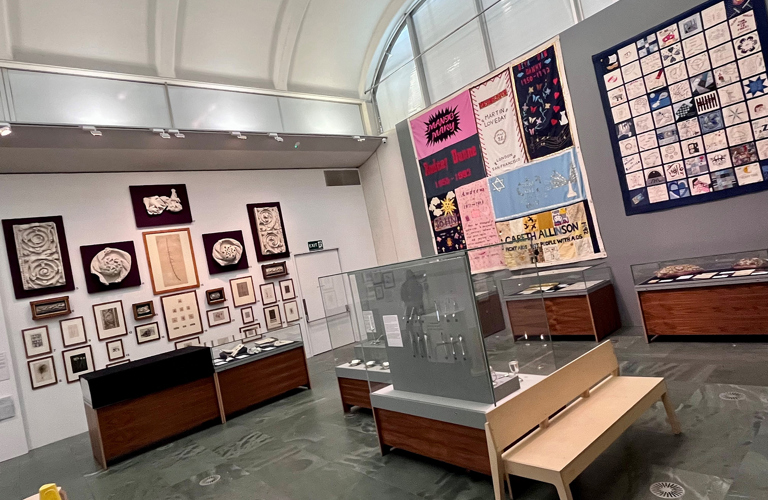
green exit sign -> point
(315, 245)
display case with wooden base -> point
(356, 383)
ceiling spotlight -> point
(238, 135)
(358, 138)
(92, 130)
(175, 132)
(276, 137)
(5, 129)
(162, 132)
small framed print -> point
(37, 341)
(272, 317)
(389, 279)
(268, 295)
(147, 333)
(379, 292)
(247, 314)
(171, 260)
(42, 372)
(50, 308)
(182, 315)
(377, 278)
(286, 289)
(217, 317)
(77, 362)
(243, 293)
(251, 332)
(181, 344)
(143, 310)
(291, 309)
(73, 331)
(110, 320)
(274, 270)
(115, 350)
(121, 362)
(222, 341)
(215, 296)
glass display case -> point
(249, 349)
(732, 268)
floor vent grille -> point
(210, 480)
(665, 489)
(733, 396)
(341, 178)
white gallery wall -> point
(13, 440)
(96, 208)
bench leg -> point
(671, 415)
(564, 490)
(509, 486)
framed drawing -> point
(42, 372)
(50, 308)
(38, 255)
(37, 341)
(291, 309)
(222, 341)
(171, 259)
(73, 331)
(274, 270)
(189, 342)
(242, 291)
(272, 317)
(143, 310)
(77, 362)
(160, 205)
(268, 295)
(286, 289)
(225, 251)
(379, 292)
(115, 350)
(389, 279)
(110, 266)
(251, 331)
(268, 231)
(110, 320)
(121, 362)
(217, 317)
(147, 333)
(247, 314)
(182, 315)
(215, 296)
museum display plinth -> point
(354, 385)
(135, 405)
(253, 379)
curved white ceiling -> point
(315, 46)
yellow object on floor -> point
(49, 492)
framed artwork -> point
(182, 315)
(73, 331)
(251, 331)
(377, 278)
(247, 314)
(110, 320)
(225, 251)
(143, 310)
(389, 279)
(115, 350)
(110, 266)
(37, 341)
(242, 291)
(38, 256)
(268, 231)
(274, 270)
(222, 341)
(272, 317)
(187, 343)
(286, 289)
(50, 308)
(215, 296)
(147, 333)
(121, 362)
(171, 259)
(77, 362)
(379, 292)
(160, 205)
(220, 316)
(291, 309)
(268, 295)
(42, 372)
(686, 107)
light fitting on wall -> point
(5, 129)
(176, 133)
(238, 135)
(161, 132)
(94, 132)
(358, 138)
(276, 137)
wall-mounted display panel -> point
(208, 109)
(304, 116)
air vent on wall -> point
(341, 178)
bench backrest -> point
(515, 418)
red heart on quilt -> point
(554, 122)
(557, 94)
(555, 81)
(556, 108)
(534, 108)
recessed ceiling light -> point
(5, 129)
(92, 130)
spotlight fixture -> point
(358, 138)
(276, 137)
(5, 129)
(161, 132)
(238, 135)
(91, 129)
(175, 132)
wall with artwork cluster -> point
(117, 263)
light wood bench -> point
(562, 424)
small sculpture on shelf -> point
(678, 270)
(751, 263)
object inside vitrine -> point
(750, 266)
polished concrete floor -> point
(303, 447)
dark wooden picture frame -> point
(236, 296)
(208, 315)
(282, 289)
(64, 338)
(37, 307)
(215, 300)
(276, 308)
(32, 379)
(298, 311)
(274, 270)
(166, 218)
(253, 315)
(13, 257)
(274, 293)
(121, 362)
(389, 279)
(210, 240)
(167, 323)
(47, 335)
(93, 283)
(176, 344)
(77, 376)
(181, 288)
(260, 256)
(141, 317)
(109, 350)
(136, 333)
(99, 325)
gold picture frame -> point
(171, 259)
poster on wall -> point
(479, 224)
(564, 234)
(541, 101)
(687, 107)
(446, 223)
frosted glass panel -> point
(303, 116)
(205, 109)
(400, 53)
(48, 98)
(594, 6)
(517, 26)
(436, 18)
(399, 96)
(455, 62)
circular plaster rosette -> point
(227, 252)
(111, 265)
(751, 263)
(678, 270)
